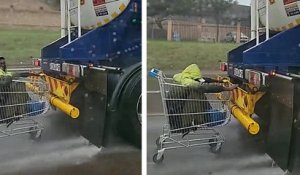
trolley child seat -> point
(192, 116)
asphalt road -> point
(63, 152)
(241, 154)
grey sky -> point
(244, 2)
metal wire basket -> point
(21, 101)
(192, 116)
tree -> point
(213, 8)
(160, 9)
(217, 8)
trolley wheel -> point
(36, 134)
(216, 147)
(158, 161)
(210, 142)
(158, 143)
(274, 164)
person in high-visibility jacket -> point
(5, 77)
(191, 77)
(5, 80)
(195, 100)
(9, 75)
(11, 104)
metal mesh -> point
(20, 101)
(192, 116)
(190, 108)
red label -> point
(285, 2)
(98, 2)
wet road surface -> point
(241, 154)
(63, 152)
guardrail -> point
(20, 65)
(22, 68)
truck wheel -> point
(130, 110)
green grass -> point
(166, 55)
(18, 45)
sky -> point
(244, 2)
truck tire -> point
(129, 106)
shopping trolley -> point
(22, 100)
(192, 117)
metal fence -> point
(192, 31)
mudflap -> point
(91, 99)
(279, 136)
(294, 162)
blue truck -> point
(94, 69)
(267, 69)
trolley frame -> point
(200, 115)
(20, 106)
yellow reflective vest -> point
(3, 73)
(190, 76)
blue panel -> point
(51, 51)
(236, 55)
(281, 53)
(281, 50)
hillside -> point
(29, 13)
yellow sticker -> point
(106, 20)
(122, 7)
(114, 14)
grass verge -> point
(166, 55)
(18, 45)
